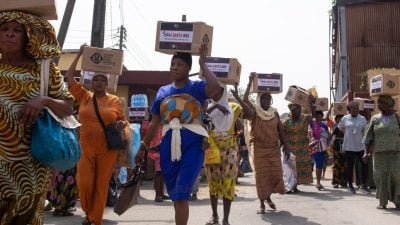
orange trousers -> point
(93, 177)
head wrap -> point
(186, 57)
(265, 115)
(387, 99)
(42, 41)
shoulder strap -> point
(44, 77)
(96, 109)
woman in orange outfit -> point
(97, 161)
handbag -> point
(212, 154)
(54, 142)
(114, 135)
(129, 193)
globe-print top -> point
(182, 106)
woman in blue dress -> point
(178, 106)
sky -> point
(290, 37)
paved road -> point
(310, 207)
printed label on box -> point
(269, 82)
(368, 105)
(177, 36)
(376, 84)
(137, 113)
(218, 67)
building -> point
(365, 34)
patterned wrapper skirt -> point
(222, 177)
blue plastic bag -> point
(126, 158)
(53, 145)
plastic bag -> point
(126, 158)
(212, 154)
(289, 172)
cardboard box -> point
(227, 70)
(183, 37)
(138, 114)
(102, 60)
(365, 104)
(386, 84)
(339, 108)
(267, 82)
(298, 96)
(45, 9)
(321, 104)
(86, 80)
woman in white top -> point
(353, 126)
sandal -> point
(213, 221)
(159, 199)
(61, 213)
(225, 222)
(320, 187)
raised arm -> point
(248, 112)
(71, 71)
(212, 86)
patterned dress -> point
(23, 180)
(296, 133)
(222, 177)
(64, 192)
(339, 166)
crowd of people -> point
(177, 123)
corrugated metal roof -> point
(373, 39)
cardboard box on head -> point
(267, 82)
(298, 96)
(321, 104)
(45, 9)
(227, 70)
(102, 60)
(384, 84)
(339, 108)
(365, 104)
(174, 37)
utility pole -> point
(122, 37)
(98, 23)
(62, 33)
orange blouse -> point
(92, 136)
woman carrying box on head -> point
(266, 139)
(26, 41)
(97, 162)
(178, 106)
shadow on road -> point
(284, 218)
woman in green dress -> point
(383, 134)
